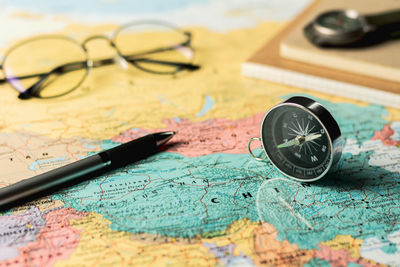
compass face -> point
(296, 142)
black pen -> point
(81, 170)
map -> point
(204, 201)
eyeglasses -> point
(53, 65)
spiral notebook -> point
(283, 60)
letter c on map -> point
(214, 200)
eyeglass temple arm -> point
(137, 57)
(2, 80)
(188, 66)
(35, 88)
(134, 59)
(59, 70)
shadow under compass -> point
(356, 199)
(355, 172)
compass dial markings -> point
(308, 123)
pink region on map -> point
(203, 138)
(56, 241)
(339, 258)
(385, 136)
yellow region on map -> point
(345, 242)
(112, 100)
(99, 245)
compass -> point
(301, 138)
(348, 27)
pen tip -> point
(163, 137)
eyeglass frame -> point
(89, 63)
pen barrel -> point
(29, 189)
(78, 171)
(130, 152)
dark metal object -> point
(348, 28)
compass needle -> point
(287, 144)
(312, 137)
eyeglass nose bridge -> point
(90, 62)
(94, 37)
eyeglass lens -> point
(148, 46)
(36, 59)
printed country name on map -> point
(111, 193)
(387, 155)
(322, 218)
(132, 184)
(290, 258)
(37, 203)
(364, 203)
(305, 233)
(16, 230)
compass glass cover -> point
(340, 21)
(296, 142)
